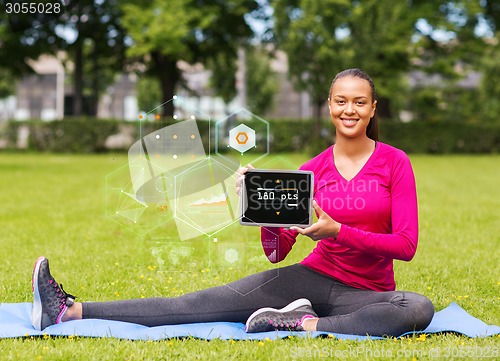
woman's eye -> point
(340, 102)
(360, 103)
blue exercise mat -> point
(15, 321)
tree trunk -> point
(168, 75)
(78, 75)
(95, 80)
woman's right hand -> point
(241, 176)
(325, 226)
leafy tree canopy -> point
(163, 32)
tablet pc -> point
(276, 198)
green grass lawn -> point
(56, 205)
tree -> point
(453, 47)
(262, 81)
(489, 88)
(164, 32)
(223, 78)
(97, 49)
(7, 82)
(492, 13)
(88, 31)
(323, 38)
(148, 93)
(306, 31)
(19, 41)
(379, 38)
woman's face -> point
(351, 106)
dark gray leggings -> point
(341, 308)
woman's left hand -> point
(325, 227)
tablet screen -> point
(277, 198)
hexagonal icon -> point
(125, 207)
(242, 138)
(205, 198)
(244, 132)
(227, 255)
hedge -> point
(72, 136)
(442, 137)
(88, 135)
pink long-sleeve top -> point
(378, 213)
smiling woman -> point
(351, 100)
(352, 106)
(345, 285)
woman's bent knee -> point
(420, 309)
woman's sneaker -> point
(50, 300)
(288, 318)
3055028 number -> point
(33, 8)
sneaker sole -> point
(36, 313)
(290, 307)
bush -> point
(81, 135)
(442, 137)
(415, 137)
(87, 135)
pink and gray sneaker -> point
(288, 318)
(50, 300)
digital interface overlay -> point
(177, 192)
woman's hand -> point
(325, 226)
(241, 176)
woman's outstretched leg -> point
(234, 302)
